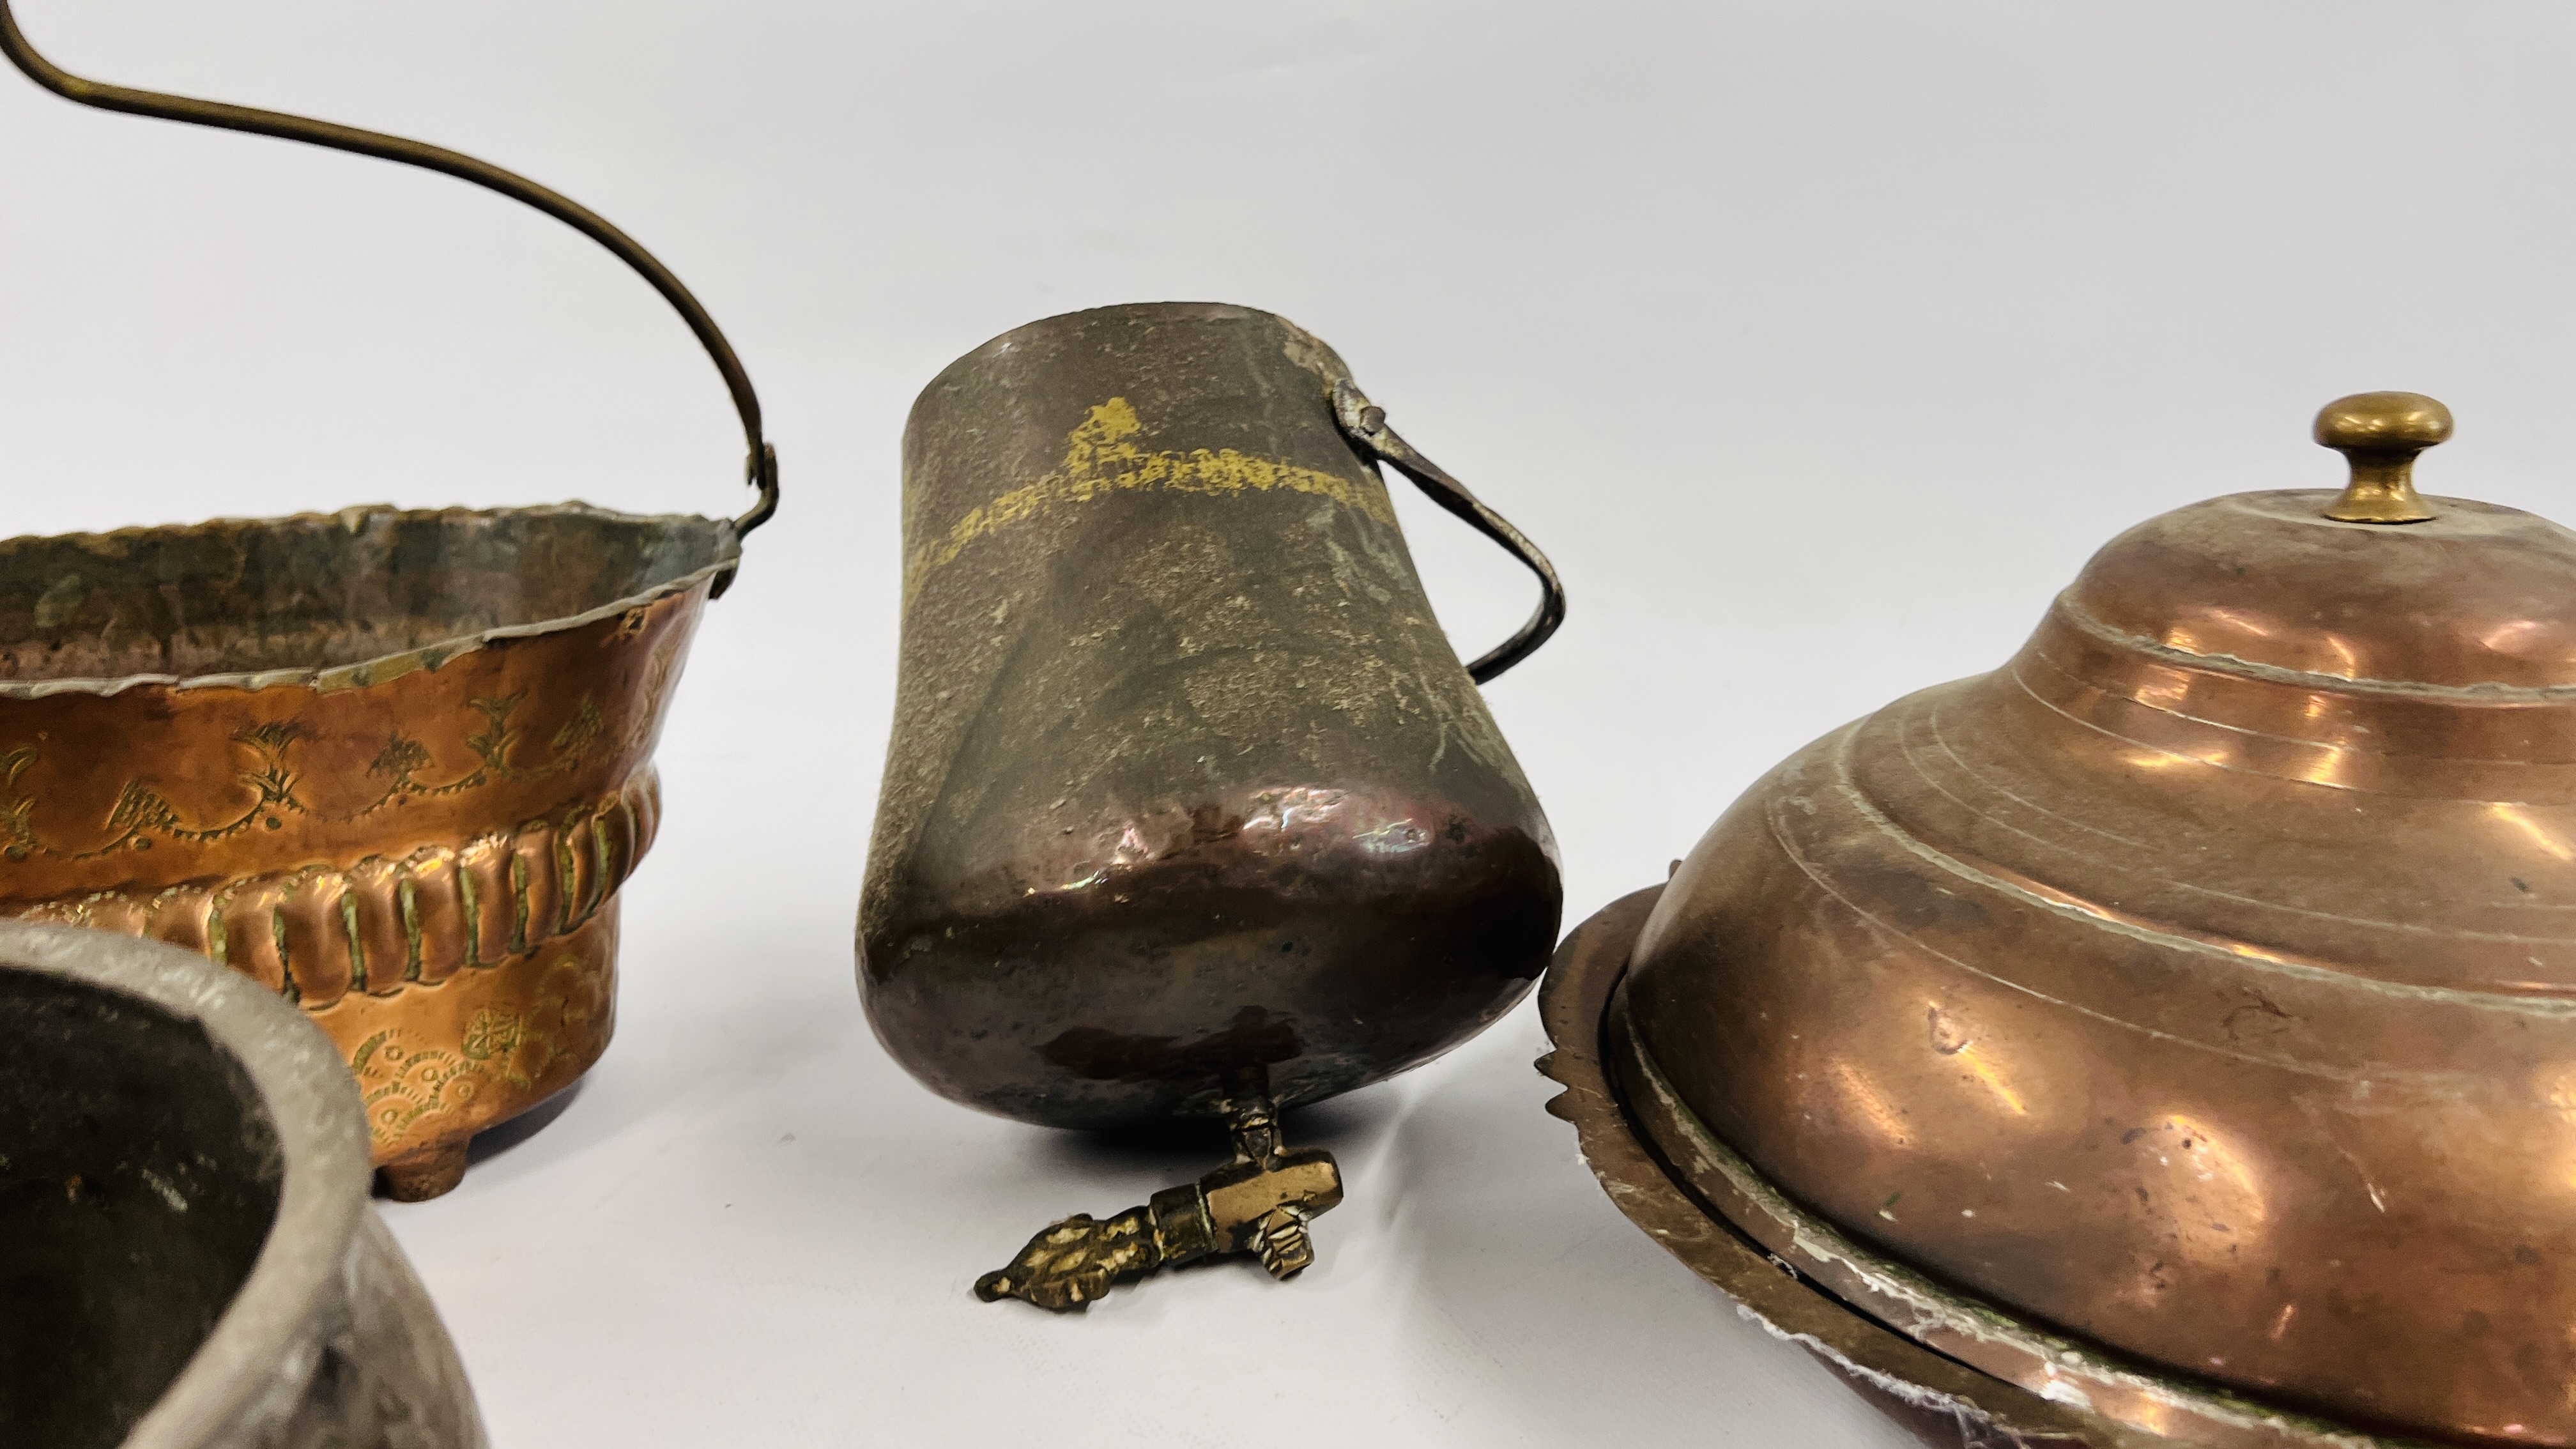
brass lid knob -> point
(2381, 432)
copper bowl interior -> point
(324, 590)
(140, 1173)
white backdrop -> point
(1818, 341)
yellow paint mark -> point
(1101, 457)
(2550, 841)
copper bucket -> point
(392, 763)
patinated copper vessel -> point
(2179, 1022)
(1190, 808)
(392, 764)
(187, 1256)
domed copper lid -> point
(2454, 595)
(2202, 984)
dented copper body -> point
(1190, 807)
(1185, 777)
(2198, 990)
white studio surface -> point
(1818, 342)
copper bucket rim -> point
(393, 663)
(1580, 1001)
(1168, 309)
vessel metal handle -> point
(1365, 422)
(761, 468)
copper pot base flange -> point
(1777, 1261)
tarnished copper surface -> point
(2202, 984)
(1944, 1403)
(393, 765)
(1800, 1278)
(1190, 808)
(1185, 779)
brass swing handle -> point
(1365, 422)
(761, 468)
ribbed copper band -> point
(318, 933)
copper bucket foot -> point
(431, 1172)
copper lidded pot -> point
(2179, 1022)
(392, 764)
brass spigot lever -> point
(1260, 1203)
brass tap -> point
(1260, 1204)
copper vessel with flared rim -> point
(392, 763)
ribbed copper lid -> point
(2466, 595)
(2200, 985)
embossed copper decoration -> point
(2178, 1022)
(1190, 809)
(190, 1258)
(393, 764)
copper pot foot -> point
(430, 1172)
